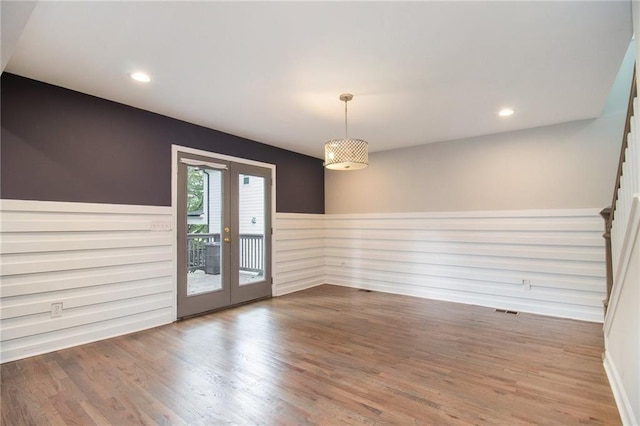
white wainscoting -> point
(299, 252)
(478, 258)
(110, 266)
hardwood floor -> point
(326, 355)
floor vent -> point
(505, 311)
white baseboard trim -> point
(82, 337)
(622, 401)
(467, 298)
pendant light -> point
(346, 154)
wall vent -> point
(505, 311)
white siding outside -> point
(251, 204)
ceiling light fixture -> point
(140, 76)
(346, 154)
(505, 112)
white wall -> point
(569, 165)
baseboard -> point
(477, 299)
(622, 401)
(83, 338)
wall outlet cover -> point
(56, 309)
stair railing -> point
(627, 184)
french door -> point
(224, 233)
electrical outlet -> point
(160, 225)
(526, 285)
(56, 310)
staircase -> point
(621, 218)
(622, 319)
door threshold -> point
(224, 308)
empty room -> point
(282, 213)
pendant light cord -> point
(346, 132)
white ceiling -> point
(421, 72)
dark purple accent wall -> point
(61, 145)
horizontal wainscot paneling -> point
(482, 258)
(299, 252)
(109, 265)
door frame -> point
(175, 150)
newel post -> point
(606, 215)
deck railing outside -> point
(252, 252)
(196, 250)
(203, 251)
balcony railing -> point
(252, 252)
(196, 250)
(203, 252)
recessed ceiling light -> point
(505, 112)
(140, 76)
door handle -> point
(227, 240)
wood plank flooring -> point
(328, 355)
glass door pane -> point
(252, 231)
(203, 256)
(204, 228)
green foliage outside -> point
(195, 197)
